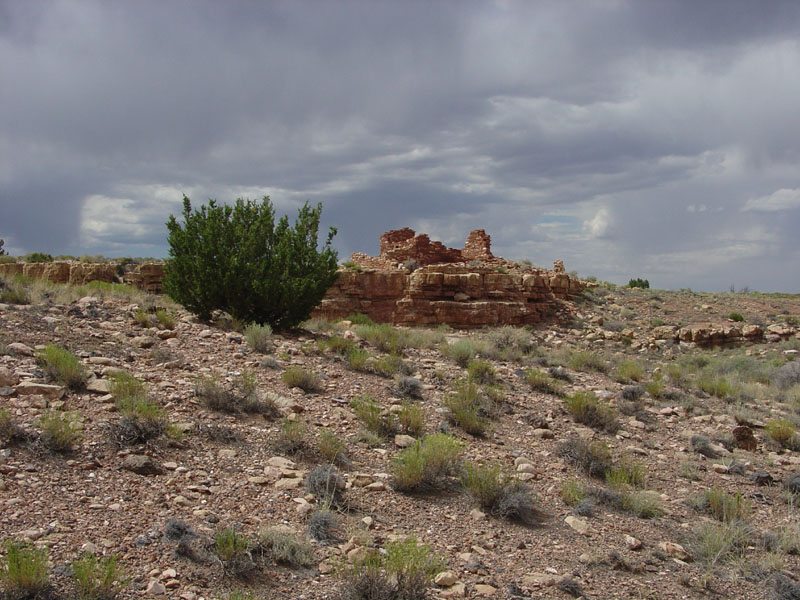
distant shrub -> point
(299, 377)
(782, 431)
(715, 543)
(588, 409)
(233, 550)
(62, 366)
(542, 382)
(372, 415)
(358, 359)
(628, 371)
(426, 464)
(238, 259)
(259, 337)
(323, 526)
(584, 360)
(2, 252)
(460, 352)
(643, 503)
(500, 494)
(61, 431)
(465, 406)
(735, 316)
(572, 492)
(481, 371)
(327, 485)
(593, 458)
(14, 293)
(627, 473)
(331, 446)
(284, 547)
(237, 397)
(717, 386)
(37, 257)
(390, 365)
(656, 388)
(639, 283)
(724, 506)
(408, 387)
(336, 344)
(359, 319)
(411, 419)
(292, 437)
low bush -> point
(233, 550)
(737, 317)
(588, 409)
(99, 578)
(639, 283)
(62, 366)
(717, 386)
(358, 360)
(509, 343)
(593, 458)
(782, 431)
(656, 388)
(323, 526)
(723, 506)
(542, 382)
(14, 293)
(465, 405)
(259, 337)
(23, 570)
(585, 360)
(408, 387)
(359, 319)
(573, 492)
(500, 494)
(10, 432)
(716, 543)
(411, 419)
(372, 415)
(284, 547)
(292, 437)
(426, 464)
(390, 365)
(327, 485)
(628, 371)
(627, 473)
(643, 503)
(460, 352)
(338, 345)
(301, 378)
(332, 447)
(239, 396)
(481, 371)
(167, 320)
(61, 431)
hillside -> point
(677, 484)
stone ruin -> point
(146, 276)
(416, 281)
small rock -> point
(325, 568)
(404, 441)
(98, 386)
(717, 468)
(632, 543)
(459, 590)
(376, 486)
(8, 378)
(477, 514)
(155, 588)
(577, 524)
(484, 590)
(31, 388)
(445, 579)
(675, 551)
(288, 483)
(20, 349)
(141, 465)
(168, 574)
(281, 462)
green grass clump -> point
(331, 446)
(573, 492)
(782, 431)
(299, 377)
(465, 406)
(481, 371)
(14, 293)
(259, 337)
(338, 345)
(233, 550)
(724, 506)
(717, 543)
(292, 436)
(285, 547)
(593, 458)
(167, 319)
(717, 386)
(656, 387)
(588, 409)
(629, 371)
(497, 492)
(359, 319)
(426, 464)
(411, 419)
(372, 415)
(643, 503)
(62, 366)
(142, 317)
(23, 570)
(542, 382)
(61, 431)
(460, 352)
(99, 579)
(627, 473)
(390, 365)
(383, 336)
(585, 360)
(735, 316)
(358, 360)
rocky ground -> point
(235, 470)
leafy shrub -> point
(239, 396)
(63, 366)
(656, 388)
(465, 405)
(285, 547)
(588, 409)
(735, 316)
(37, 257)
(584, 360)
(724, 506)
(259, 337)
(500, 494)
(409, 387)
(98, 579)
(14, 293)
(390, 365)
(644, 504)
(639, 283)
(716, 543)
(299, 377)
(61, 431)
(359, 319)
(628, 371)
(788, 375)
(426, 464)
(627, 473)
(593, 458)
(2, 252)
(327, 485)
(542, 382)
(238, 259)
(572, 492)
(509, 343)
(358, 360)
(23, 570)
(481, 371)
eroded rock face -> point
(148, 276)
(464, 288)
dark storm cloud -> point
(629, 138)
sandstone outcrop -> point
(416, 281)
(147, 276)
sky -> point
(645, 138)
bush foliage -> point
(240, 260)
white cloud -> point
(598, 226)
(783, 199)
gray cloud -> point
(653, 139)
